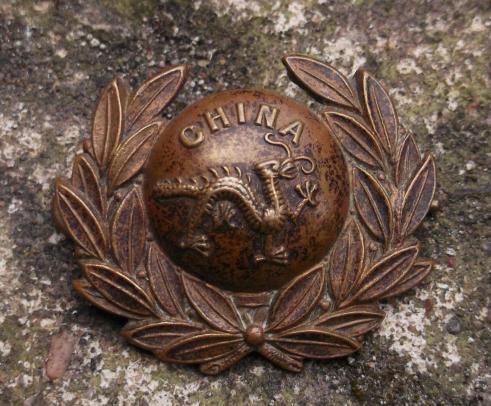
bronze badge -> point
(247, 223)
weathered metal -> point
(241, 226)
(246, 189)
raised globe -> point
(246, 189)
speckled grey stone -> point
(55, 56)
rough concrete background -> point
(434, 56)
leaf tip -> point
(126, 333)
(59, 182)
(291, 60)
(78, 285)
(288, 58)
(182, 71)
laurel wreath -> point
(185, 320)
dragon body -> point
(266, 216)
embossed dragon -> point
(267, 216)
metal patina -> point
(248, 223)
(246, 189)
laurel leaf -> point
(321, 79)
(83, 224)
(84, 287)
(409, 159)
(128, 231)
(385, 274)
(347, 260)
(118, 288)
(85, 178)
(282, 359)
(221, 364)
(212, 304)
(132, 155)
(418, 196)
(154, 95)
(352, 321)
(373, 204)
(205, 346)
(315, 342)
(164, 282)
(419, 271)
(356, 138)
(57, 215)
(381, 112)
(107, 124)
(157, 334)
(296, 299)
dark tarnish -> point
(254, 200)
(266, 218)
(247, 194)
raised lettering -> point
(294, 129)
(266, 116)
(211, 119)
(191, 136)
(240, 113)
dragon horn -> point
(309, 160)
(281, 144)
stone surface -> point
(54, 58)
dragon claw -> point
(224, 214)
(259, 258)
(198, 243)
(278, 256)
(308, 192)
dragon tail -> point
(170, 189)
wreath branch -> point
(392, 188)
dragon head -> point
(287, 168)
